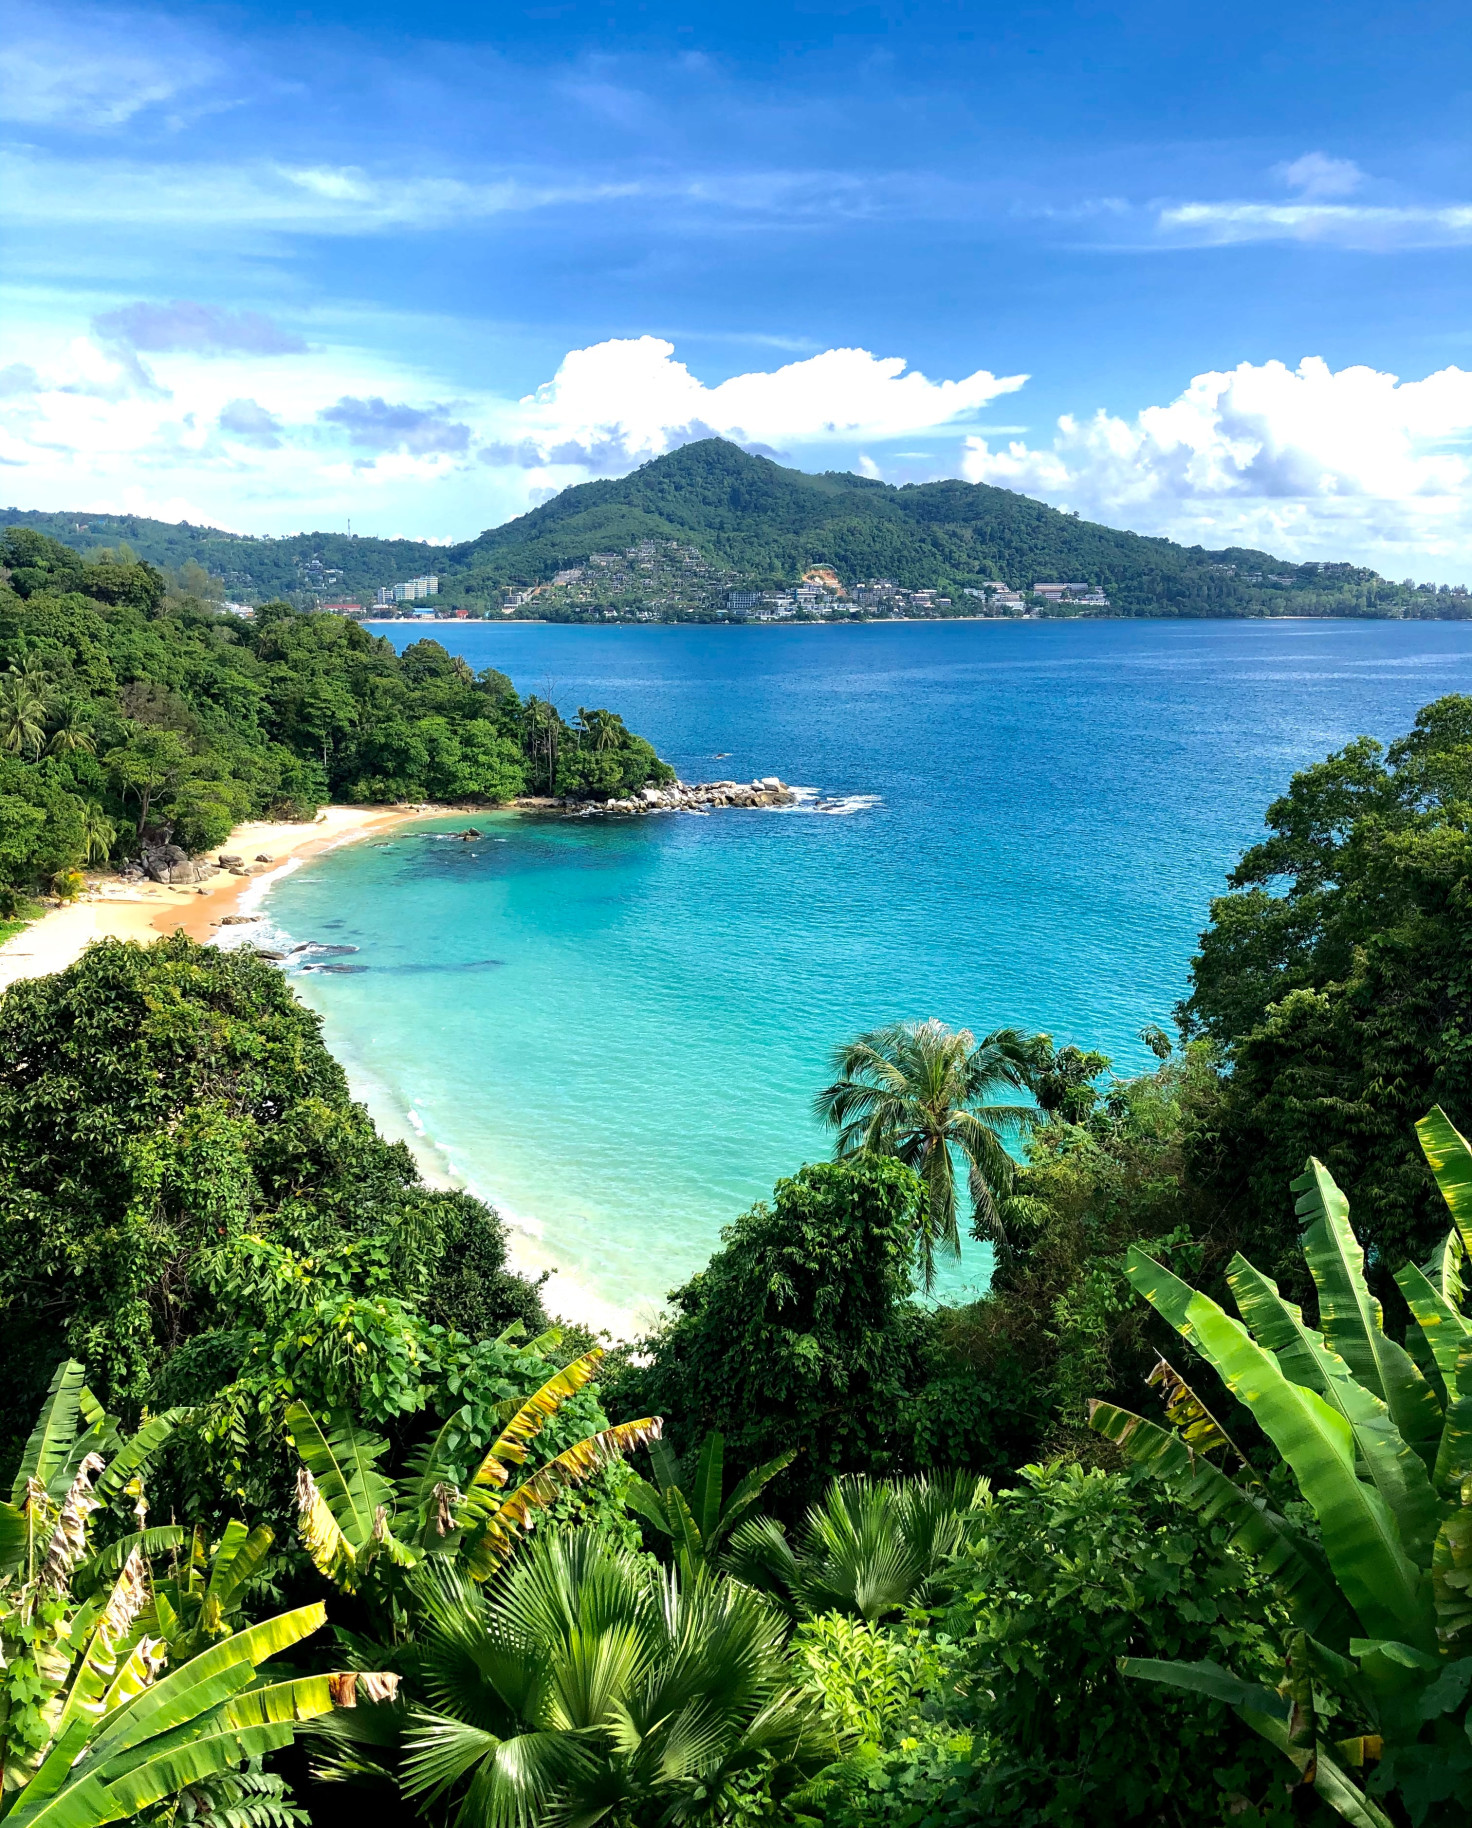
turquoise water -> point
(613, 1029)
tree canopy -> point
(123, 694)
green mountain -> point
(711, 517)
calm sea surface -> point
(613, 1029)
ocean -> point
(613, 1029)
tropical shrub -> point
(1021, 1713)
(1370, 1699)
(697, 1525)
(872, 1548)
(587, 1684)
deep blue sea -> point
(613, 1029)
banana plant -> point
(1378, 1664)
(95, 1724)
(351, 1515)
(200, 1600)
(698, 1525)
(48, 1508)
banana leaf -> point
(1399, 1474)
(136, 1452)
(1443, 1269)
(104, 1565)
(12, 1539)
(749, 1491)
(1208, 1679)
(642, 1498)
(1450, 1159)
(686, 1532)
(510, 1446)
(185, 1765)
(576, 1465)
(178, 1694)
(1350, 1316)
(710, 1477)
(1362, 1540)
(56, 1428)
(1442, 1327)
(342, 1459)
(1454, 1459)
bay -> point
(613, 1029)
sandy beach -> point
(111, 909)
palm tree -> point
(70, 737)
(22, 714)
(585, 1685)
(922, 1092)
(98, 834)
(870, 1549)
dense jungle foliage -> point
(128, 704)
(764, 524)
(817, 1552)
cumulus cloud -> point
(248, 422)
(619, 403)
(379, 425)
(1305, 461)
(188, 328)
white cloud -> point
(1317, 175)
(628, 399)
(1351, 225)
(1305, 462)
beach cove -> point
(613, 1029)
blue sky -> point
(1197, 270)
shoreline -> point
(145, 911)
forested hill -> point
(765, 524)
(294, 567)
(721, 518)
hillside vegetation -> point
(750, 522)
(129, 707)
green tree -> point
(925, 1094)
(1335, 974)
(148, 765)
(159, 1105)
(800, 1332)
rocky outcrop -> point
(688, 796)
(168, 862)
